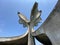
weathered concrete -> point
(18, 40)
(51, 27)
(47, 33)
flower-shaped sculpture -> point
(48, 33)
(34, 20)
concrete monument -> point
(48, 33)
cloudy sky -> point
(9, 25)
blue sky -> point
(9, 25)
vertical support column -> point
(31, 40)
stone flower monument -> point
(48, 33)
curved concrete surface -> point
(51, 27)
(18, 40)
(43, 38)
